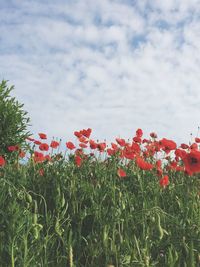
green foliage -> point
(88, 216)
(13, 119)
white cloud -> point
(109, 65)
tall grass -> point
(89, 216)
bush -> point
(13, 120)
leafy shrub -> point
(13, 119)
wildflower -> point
(153, 135)
(22, 154)
(146, 141)
(77, 134)
(93, 144)
(180, 153)
(78, 160)
(13, 148)
(135, 147)
(139, 133)
(164, 181)
(38, 157)
(114, 146)
(111, 151)
(36, 142)
(44, 147)
(197, 140)
(129, 154)
(2, 161)
(192, 162)
(158, 164)
(120, 141)
(137, 139)
(194, 146)
(54, 144)
(101, 147)
(79, 151)
(142, 164)
(86, 133)
(172, 165)
(82, 145)
(121, 173)
(167, 145)
(184, 146)
(30, 139)
(70, 145)
(48, 157)
(83, 139)
(42, 136)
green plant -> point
(13, 120)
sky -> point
(110, 65)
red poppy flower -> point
(137, 139)
(150, 149)
(48, 157)
(194, 146)
(86, 133)
(158, 164)
(135, 147)
(197, 140)
(111, 151)
(93, 144)
(167, 145)
(83, 139)
(184, 146)
(54, 144)
(79, 151)
(2, 161)
(172, 165)
(114, 146)
(30, 139)
(22, 154)
(77, 134)
(70, 145)
(78, 160)
(82, 145)
(38, 157)
(101, 147)
(180, 168)
(192, 162)
(13, 148)
(36, 142)
(180, 153)
(120, 141)
(153, 135)
(42, 136)
(187, 172)
(129, 154)
(146, 141)
(142, 164)
(139, 133)
(44, 147)
(164, 181)
(121, 173)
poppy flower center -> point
(193, 160)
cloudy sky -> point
(112, 65)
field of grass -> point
(126, 204)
